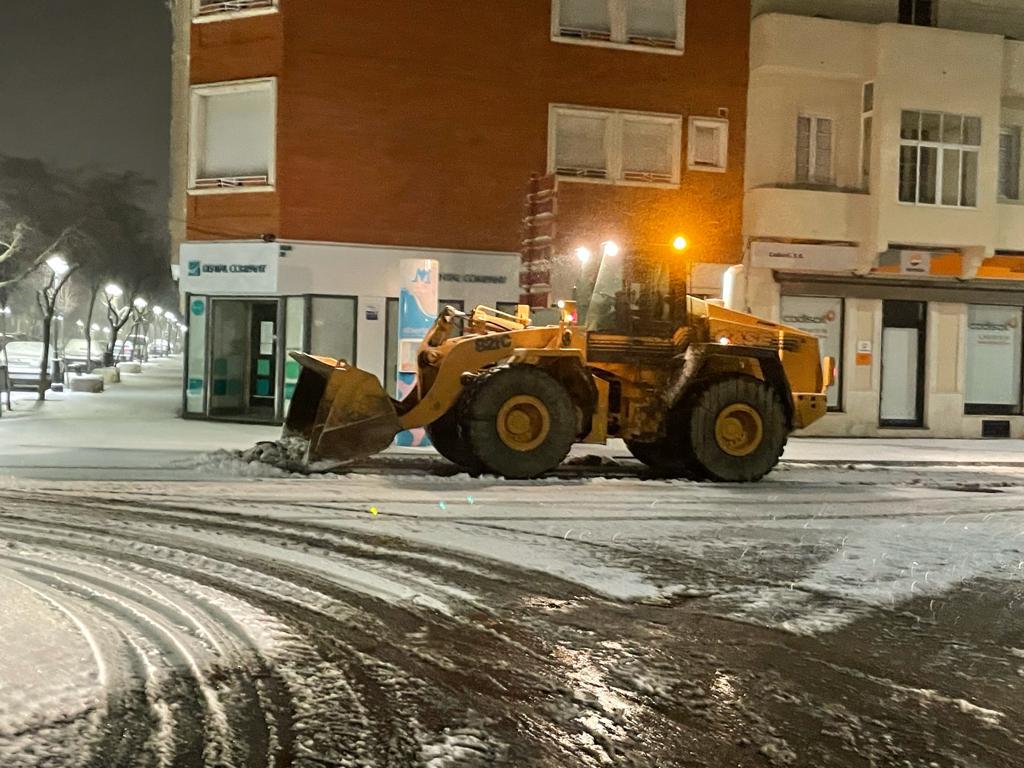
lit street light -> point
(610, 248)
(58, 265)
(680, 243)
(113, 291)
(583, 254)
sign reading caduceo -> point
(229, 268)
(803, 257)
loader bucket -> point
(343, 411)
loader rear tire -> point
(447, 436)
(737, 429)
(520, 421)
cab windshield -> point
(626, 293)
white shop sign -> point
(247, 269)
(803, 257)
(822, 317)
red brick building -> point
(412, 127)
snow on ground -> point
(841, 526)
(128, 582)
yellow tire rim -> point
(739, 430)
(523, 423)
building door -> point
(903, 363)
(243, 354)
(262, 356)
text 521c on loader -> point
(694, 389)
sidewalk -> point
(134, 431)
(131, 426)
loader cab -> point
(636, 294)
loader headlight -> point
(725, 341)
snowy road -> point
(840, 617)
(842, 613)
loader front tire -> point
(520, 421)
(450, 440)
(737, 429)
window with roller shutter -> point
(232, 144)
(653, 25)
(708, 144)
(615, 146)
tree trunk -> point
(44, 373)
(88, 328)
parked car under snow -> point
(24, 359)
(75, 352)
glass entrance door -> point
(243, 349)
(263, 356)
(903, 363)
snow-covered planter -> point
(88, 383)
(130, 367)
(109, 375)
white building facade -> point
(884, 208)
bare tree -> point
(47, 297)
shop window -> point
(295, 336)
(814, 150)
(1009, 163)
(939, 159)
(615, 146)
(993, 359)
(651, 25)
(195, 371)
(232, 136)
(822, 317)
(332, 327)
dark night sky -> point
(85, 83)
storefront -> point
(250, 304)
(922, 349)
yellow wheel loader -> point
(694, 389)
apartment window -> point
(209, 10)
(643, 24)
(993, 360)
(867, 120)
(1009, 163)
(615, 146)
(232, 136)
(939, 159)
(708, 144)
(922, 13)
(814, 150)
